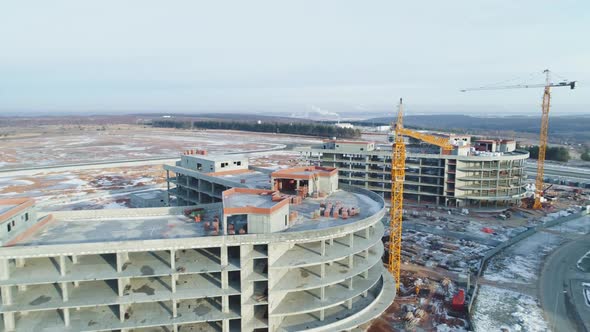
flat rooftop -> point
(151, 194)
(252, 179)
(242, 200)
(304, 172)
(217, 157)
(87, 230)
(141, 224)
(11, 206)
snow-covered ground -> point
(522, 262)
(498, 308)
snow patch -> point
(496, 308)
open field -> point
(57, 145)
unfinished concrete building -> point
(488, 173)
(200, 178)
(257, 260)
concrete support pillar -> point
(75, 259)
(323, 248)
(224, 256)
(365, 293)
(366, 274)
(9, 321)
(65, 295)
(366, 252)
(367, 233)
(173, 260)
(22, 288)
(4, 269)
(20, 262)
(224, 280)
(76, 284)
(66, 313)
(225, 304)
(122, 310)
(62, 265)
(175, 328)
(349, 304)
(122, 283)
(331, 241)
(225, 325)
(174, 309)
(350, 261)
(122, 258)
(323, 271)
(350, 283)
(323, 293)
(7, 295)
(173, 282)
(322, 315)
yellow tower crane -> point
(544, 124)
(398, 172)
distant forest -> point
(552, 153)
(309, 129)
(562, 127)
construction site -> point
(419, 231)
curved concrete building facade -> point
(157, 269)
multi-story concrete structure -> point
(490, 173)
(201, 178)
(257, 260)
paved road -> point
(558, 171)
(554, 284)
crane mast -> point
(398, 165)
(543, 142)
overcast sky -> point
(292, 56)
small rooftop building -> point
(309, 180)
(147, 199)
(17, 216)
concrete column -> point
(225, 304)
(350, 261)
(75, 259)
(323, 293)
(225, 325)
(351, 240)
(173, 260)
(9, 321)
(175, 328)
(323, 247)
(122, 283)
(350, 283)
(224, 280)
(174, 309)
(4, 269)
(76, 284)
(122, 309)
(122, 258)
(322, 315)
(22, 288)
(64, 291)
(7, 295)
(173, 282)
(224, 258)
(366, 253)
(349, 304)
(323, 271)
(367, 233)
(62, 265)
(365, 293)
(20, 262)
(66, 312)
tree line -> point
(309, 129)
(557, 153)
